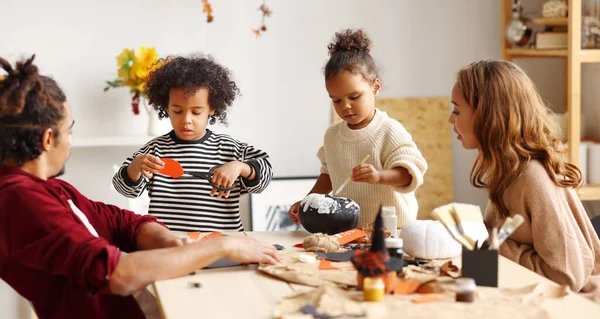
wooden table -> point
(243, 292)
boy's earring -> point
(212, 120)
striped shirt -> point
(186, 204)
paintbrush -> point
(494, 243)
(459, 226)
(349, 177)
(443, 215)
(505, 232)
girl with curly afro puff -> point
(395, 168)
(193, 92)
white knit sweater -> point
(389, 145)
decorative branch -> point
(208, 10)
(266, 12)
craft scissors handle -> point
(208, 176)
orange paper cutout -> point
(348, 236)
(172, 168)
(406, 287)
(423, 298)
(326, 265)
(194, 235)
(211, 235)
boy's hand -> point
(225, 176)
(144, 164)
(366, 173)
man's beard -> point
(60, 173)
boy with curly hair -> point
(193, 92)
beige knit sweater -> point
(389, 145)
(557, 239)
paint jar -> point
(394, 247)
(465, 289)
(373, 289)
(390, 220)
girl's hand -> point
(366, 173)
(225, 176)
(144, 164)
(294, 213)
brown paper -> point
(534, 301)
(293, 271)
(328, 300)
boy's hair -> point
(513, 126)
(192, 73)
(30, 103)
(349, 51)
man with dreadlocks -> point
(72, 257)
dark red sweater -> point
(49, 256)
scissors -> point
(174, 169)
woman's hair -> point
(30, 103)
(349, 51)
(513, 127)
(191, 74)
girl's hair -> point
(513, 127)
(349, 51)
(191, 74)
(30, 103)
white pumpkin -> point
(429, 239)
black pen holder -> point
(481, 265)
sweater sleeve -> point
(125, 185)
(559, 251)
(321, 157)
(259, 160)
(43, 234)
(401, 151)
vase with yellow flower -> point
(133, 70)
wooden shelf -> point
(533, 53)
(589, 192)
(590, 56)
(552, 22)
(108, 141)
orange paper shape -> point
(194, 235)
(406, 287)
(172, 168)
(212, 235)
(348, 236)
(424, 298)
(326, 265)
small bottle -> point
(373, 289)
(465, 289)
(390, 220)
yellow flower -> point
(146, 56)
(138, 72)
(134, 67)
(124, 62)
(125, 58)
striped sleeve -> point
(259, 160)
(121, 181)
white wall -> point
(284, 108)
